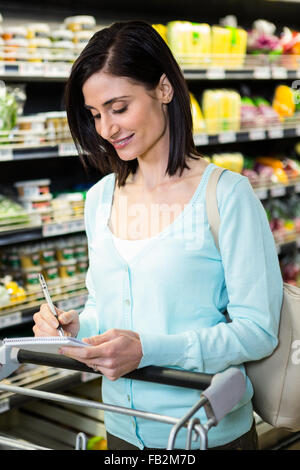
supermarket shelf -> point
(23, 234)
(227, 137)
(258, 73)
(17, 314)
(67, 149)
(22, 152)
(253, 68)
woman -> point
(157, 284)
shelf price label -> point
(215, 74)
(5, 154)
(262, 72)
(67, 149)
(261, 193)
(31, 69)
(279, 72)
(72, 303)
(257, 134)
(51, 230)
(10, 319)
(275, 133)
(201, 139)
(225, 137)
(278, 191)
(57, 69)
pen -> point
(49, 301)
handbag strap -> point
(212, 210)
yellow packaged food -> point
(238, 47)
(179, 39)
(284, 102)
(198, 120)
(220, 46)
(211, 106)
(230, 161)
(200, 44)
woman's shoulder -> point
(231, 182)
(95, 191)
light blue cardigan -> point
(173, 294)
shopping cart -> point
(219, 392)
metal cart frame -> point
(219, 392)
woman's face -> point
(127, 115)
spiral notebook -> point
(44, 344)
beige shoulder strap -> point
(212, 203)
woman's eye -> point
(119, 111)
(96, 116)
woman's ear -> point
(165, 90)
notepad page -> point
(44, 344)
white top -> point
(128, 249)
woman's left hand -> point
(114, 353)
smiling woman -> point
(119, 66)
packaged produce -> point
(262, 39)
(220, 45)
(179, 38)
(238, 42)
(15, 291)
(97, 443)
(80, 23)
(230, 161)
(269, 116)
(4, 296)
(8, 110)
(277, 167)
(284, 101)
(33, 188)
(11, 212)
(200, 44)
(198, 120)
(221, 110)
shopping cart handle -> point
(226, 390)
(161, 375)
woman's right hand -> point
(46, 323)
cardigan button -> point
(127, 302)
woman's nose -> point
(106, 128)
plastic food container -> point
(31, 279)
(80, 23)
(16, 49)
(63, 51)
(38, 30)
(51, 275)
(48, 256)
(39, 49)
(67, 271)
(32, 129)
(33, 188)
(30, 258)
(14, 32)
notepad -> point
(44, 344)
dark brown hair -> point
(134, 50)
